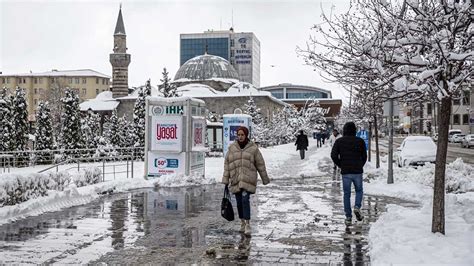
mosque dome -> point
(207, 67)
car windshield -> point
(419, 144)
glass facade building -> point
(242, 50)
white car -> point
(457, 138)
(416, 150)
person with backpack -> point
(349, 154)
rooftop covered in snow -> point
(62, 73)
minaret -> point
(120, 60)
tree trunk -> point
(438, 221)
(377, 154)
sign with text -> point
(162, 163)
(231, 124)
(364, 134)
(160, 110)
(198, 133)
(167, 133)
(197, 163)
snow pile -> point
(71, 196)
(15, 189)
(402, 235)
(459, 175)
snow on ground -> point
(403, 235)
(400, 236)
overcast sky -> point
(42, 35)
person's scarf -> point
(242, 144)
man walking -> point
(301, 143)
(349, 154)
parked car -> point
(416, 150)
(453, 132)
(457, 138)
(468, 141)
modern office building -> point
(241, 49)
(298, 95)
(49, 85)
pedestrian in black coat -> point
(349, 154)
(301, 143)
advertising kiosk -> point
(231, 123)
(175, 131)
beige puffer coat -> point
(241, 166)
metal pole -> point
(103, 170)
(132, 166)
(127, 167)
(390, 143)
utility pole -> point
(390, 142)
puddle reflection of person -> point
(353, 238)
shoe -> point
(358, 214)
(242, 226)
(348, 221)
(248, 230)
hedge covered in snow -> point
(15, 189)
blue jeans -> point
(347, 180)
(243, 204)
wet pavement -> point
(294, 220)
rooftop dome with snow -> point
(207, 69)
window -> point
(77, 80)
(96, 80)
(96, 91)
(19, 80)
(40, 80)
(36, 91)
(36, 80)
(103, 81)
(41, 91)
(456, 102)
(24, 80)
(429, 109)
(84, 81)
(70, 80)
(465, 119)
(35, 101)
(8, 80)
(456, 119)
(84, 91)
(3, 80)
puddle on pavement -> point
(183, 225)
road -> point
(454, 150)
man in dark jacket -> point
(349, 154)
(301, 143)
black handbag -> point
(226, 206)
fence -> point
(14, 159)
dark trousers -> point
(243, 204)
(302, 154)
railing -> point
(116, 163)
(15, 159)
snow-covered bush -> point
(459, 176)
(15, 189)
(87, 177)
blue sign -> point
(363, 134)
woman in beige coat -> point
(242, 162)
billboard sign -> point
(160, 163)
(231, 124)
(160, 110)
(167, 133)
(198, 133)
(197, 163)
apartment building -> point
(49, 86)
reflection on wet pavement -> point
(294, 220)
